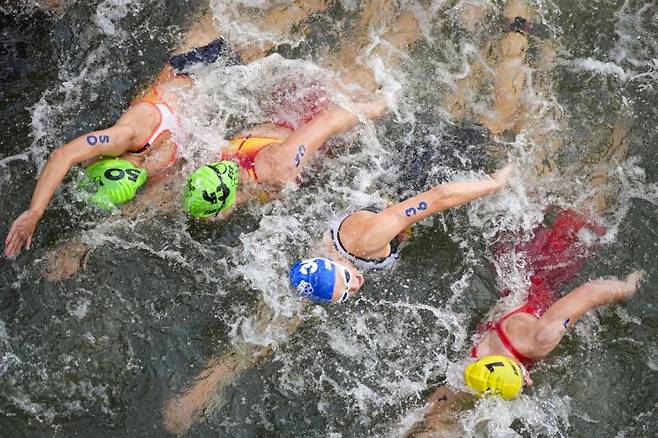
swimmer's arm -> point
(397, 218)
(108, 142)
(303, 144)
(105, 143)
(568, 309)
(180, 412)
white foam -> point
(110, 12)
(599, 67)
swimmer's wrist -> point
(36, 211)
(496, 186)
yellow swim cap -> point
(495, 375)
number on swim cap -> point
(308, 267)
(110, 174)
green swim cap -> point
(211, 189)
(112, 182)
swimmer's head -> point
(211, 189)
(495, 375)
(112, 182)
(323, 280)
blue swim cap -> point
(314, 278)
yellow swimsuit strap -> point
(248, 144)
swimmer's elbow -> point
(546, 339)
(126, 136)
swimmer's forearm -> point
(52, 176)
(181, 412)
(601, 292)
(107, 142)
(443, 197)
(339, 120)
(453, 194)
(304, 143)
(570, 308)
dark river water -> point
(98, 354)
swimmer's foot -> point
(520, 25)
(374, 108)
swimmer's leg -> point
(614, 154)
(390, 48)
(181, 411)
(202, 32)
(203, 41)
(472, 13)
(507, 108)
(518, 8)
(281, 20)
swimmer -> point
(141, 146)
(507, 347)
(522, 99)
(182, 410)
(501, 62)
(271, 156)
(325, 280)
(370, 239)
(265, 159)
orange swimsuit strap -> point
(150, 95)
(244, 150)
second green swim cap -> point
(211, 189)
(112, 182)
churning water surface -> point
(159, 295)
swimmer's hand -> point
(503, 176)
(374, 108)
(20, 233)
(632, 281)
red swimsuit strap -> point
(245, 160)
(498, 327)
